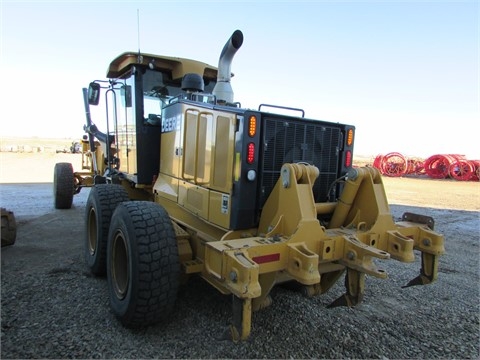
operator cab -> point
(140, 86)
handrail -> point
(283, 107)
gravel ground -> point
(53, 308)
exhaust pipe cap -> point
(237, 39)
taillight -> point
(252, 126)
(348, 158)
(350, 137)
(251, 153)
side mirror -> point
(93, 93)
(126, 93)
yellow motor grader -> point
(185, 181)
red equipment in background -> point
(439, 166)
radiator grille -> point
(299, 141)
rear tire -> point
(63, 185)
(142, 264)
(102, 202)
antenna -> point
(140, 58)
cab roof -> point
(177, 66)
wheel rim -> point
(92, 231)
(119, 267)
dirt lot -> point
(44, 270)
(446, 194)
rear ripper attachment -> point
(292, 245)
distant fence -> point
(26, 149)
(439, 166)
(32, 149)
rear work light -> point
(251, 153)
(252, 126)
(350, 137)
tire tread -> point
(158, 264)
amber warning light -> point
(252, 126)
(350, 137)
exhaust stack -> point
(223, 90)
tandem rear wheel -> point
(143, 266)
(102, 202)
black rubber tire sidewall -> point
(9, 228)
(63, 185)
(153, 278)
(103, 198)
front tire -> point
(102, 202)
(9, 228)
(142, 264)
(63, 185)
